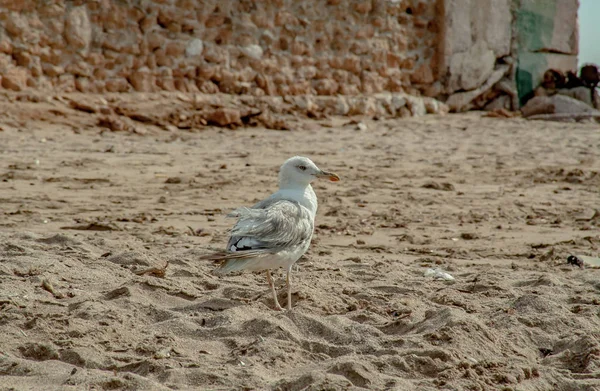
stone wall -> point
(469, 53)
(260, 47)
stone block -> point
(194, 48)
(461, 101)
(52, 70)
(470, 69)
(117, 84)
(15, 79)
(556, 104)
(423, 74)
(175, 49)
(78, 29)
(549, 27)
(142, 80)
(326, 87)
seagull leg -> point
(289, 288)
(270, 280)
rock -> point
(461, 100)
(351, 64)
(17, 26)
(194, 48)
(164, 79)
(349, 90)
(142, 80)
(500, 113)
(82, 84)
(5, 46)
(469, 70)
(580, 93)
(156, 40)
(307, 73)
(439, 186)
(362, 105)
(326, 87)
(39, 351)
(423, 74)
(52, 70)
(174, 180)
(372, 83)
(252, 51)
(78, 29)
(79, 68)
(363, 7)
(341, 106)
(224, 117)
(433, 106)
(64, 82)
(416, 106)
(215, 54)
(22, 58)
(83, 106)
(555, 104)
(398, 102)
(122, 41)
(503, 102)
(15, 79)
(175, 49)
(83, 357)
(305, 103)
(117, 84)
(432, 90)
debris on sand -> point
(439, 186)
(154, 271)
(47, 285)
(583, 260)
(438, 274)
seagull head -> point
(299, 170)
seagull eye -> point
(302, 168)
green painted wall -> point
(534, 29)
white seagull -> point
(277, 231)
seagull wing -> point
(271, 226)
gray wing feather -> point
(272, 225)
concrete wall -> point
(548, 37)
(494, 52)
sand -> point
(101, 287)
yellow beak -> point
(330, 175)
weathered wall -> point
(548, 38)
(471, 53)
(476, 49)
(273, 47)
(493, 53)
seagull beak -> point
(330, 175)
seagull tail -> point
(235, 261)
(232, 265)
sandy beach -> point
(101, 287)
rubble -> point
(565, 96)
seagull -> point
(276, 231)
